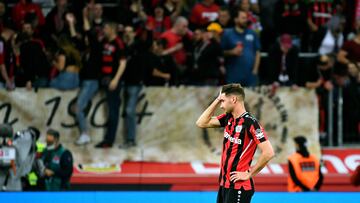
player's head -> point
(231, 95)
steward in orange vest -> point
(304, 169)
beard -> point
(243, 25)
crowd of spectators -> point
(81, 43)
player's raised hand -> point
(220, 96)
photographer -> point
(58, 163)
(17, 154)
(34, 181)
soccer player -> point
(242, 134)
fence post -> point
(340, 117)
(330, 118)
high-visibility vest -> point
(306, 170)
(32, 177)
(40, 147)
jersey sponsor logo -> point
(259, 134)
(238, 128)
(232, 139)
(249, 37)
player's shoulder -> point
(249, 118)
(225, 116)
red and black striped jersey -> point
(112, 52)
(241, 136)
(320, 12)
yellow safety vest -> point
(32, 177)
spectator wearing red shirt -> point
(203, 13)
(24, 7)
(175, 38)
(158, 23)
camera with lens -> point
(7, 150)
(17, 155)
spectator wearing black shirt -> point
(113, 67)
(55, 21)
(133, 80)
(56, 24)
(224, 18)
(319, 77)
(5, 20)
(349, 57)
(208, 57)
(33, 59)
(161, 69)
(132, 13)
(283, 63)
(98, 19)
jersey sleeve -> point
(222, 119)
(257, 132)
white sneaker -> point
(83, 139)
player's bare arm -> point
(207, 119)
(267, 153)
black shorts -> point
(230, 195)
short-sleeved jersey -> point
(241, 136)
(112, 52)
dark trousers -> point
(113, 103)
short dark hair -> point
(233, 89)
(54, 133)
